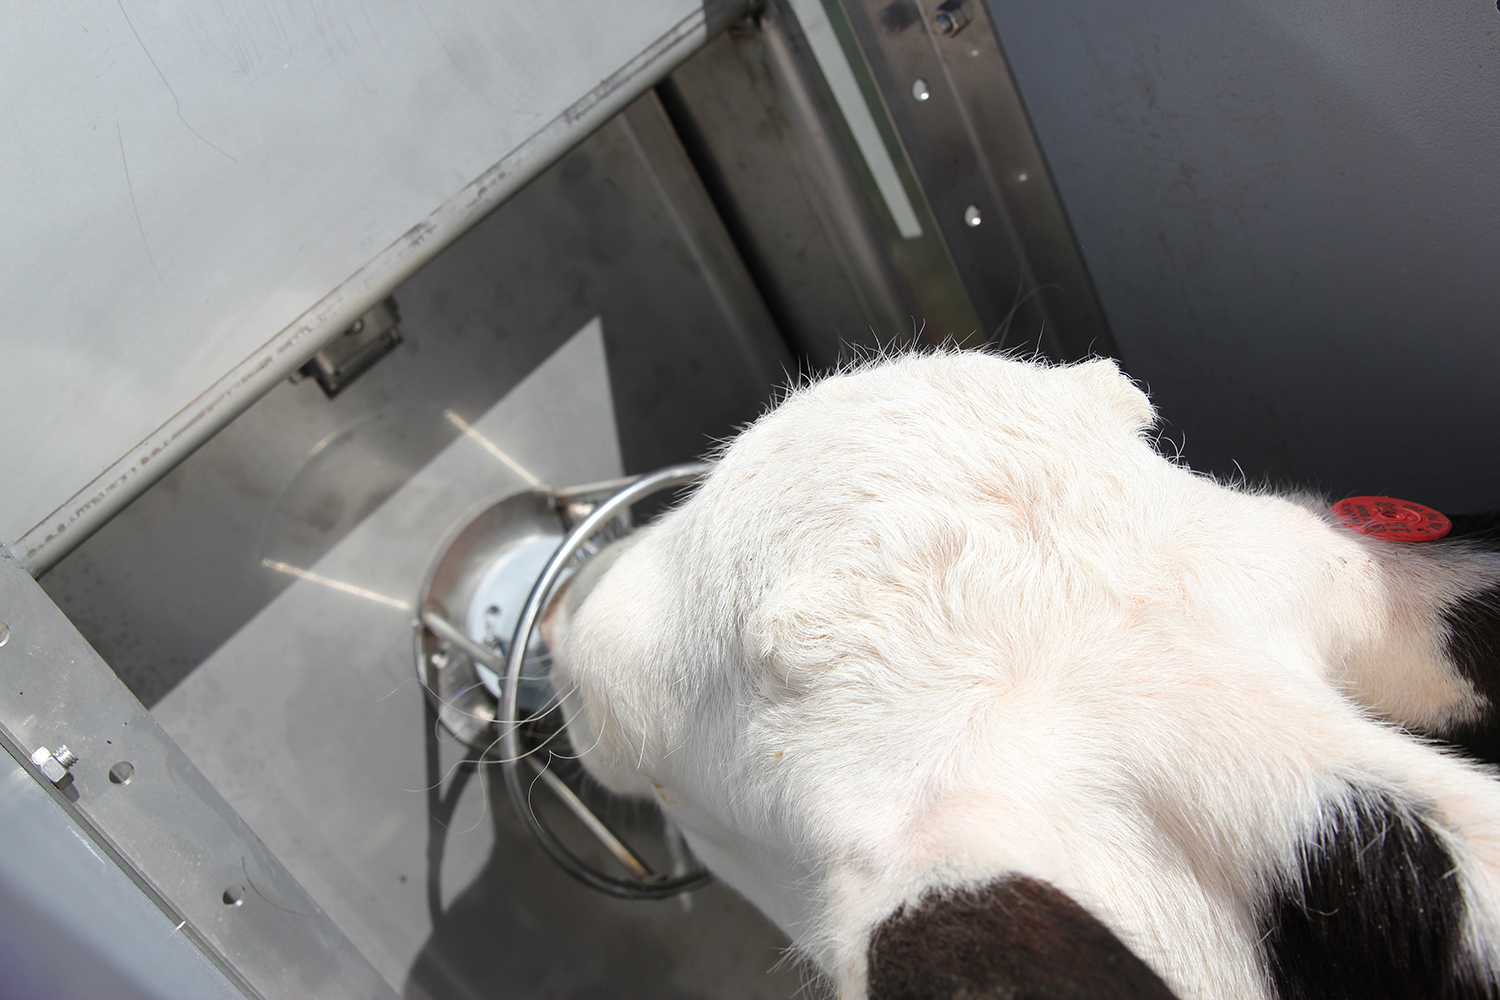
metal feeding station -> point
(312, 323)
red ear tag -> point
(1391, 519)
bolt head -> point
(950, 17)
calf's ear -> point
(1114, 388)
(1016, 938)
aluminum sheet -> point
(195, 196)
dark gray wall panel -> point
(1292, 215)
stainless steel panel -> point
(318, 689)
(73, 924)
(620, 230)
(795, 189)
(822, 38)
(184, 845)
(425, 867)
(196, 197)
(956, 109)
(261, 596)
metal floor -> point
(259, 598)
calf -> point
(975, 694)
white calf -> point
(975, 694)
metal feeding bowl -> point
(481, 659)
(473, 598)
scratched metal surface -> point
(259, 597)
(195, 195)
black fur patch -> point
(1016, 938)
(1378, 914)
(1473, 643)
(1473, 623)
(1482, 530)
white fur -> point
(952, 616)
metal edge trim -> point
(1056, 253)
(101, 840)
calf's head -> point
(953, 615)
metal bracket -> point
(942, 73)
(142, 802)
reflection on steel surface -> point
(348, 588)
(491, 447)
(851, 101)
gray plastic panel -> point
(1291, 212)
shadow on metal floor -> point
(523, 929)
